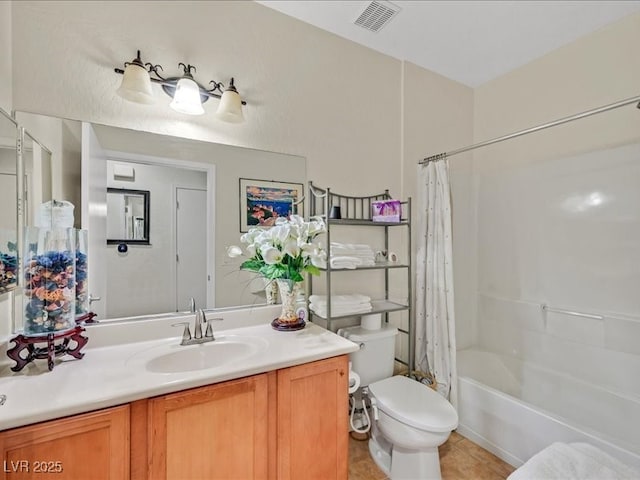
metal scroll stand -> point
(49, 349)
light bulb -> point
(186, 98)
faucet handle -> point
(186, 333)
(209, 331)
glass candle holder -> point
(49, 280)
(81, 265)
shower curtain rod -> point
(577, 116)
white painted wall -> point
(557, 211)
(142, 281)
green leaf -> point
(312, 269)
(273, 271)
(296, 277)
(252, 265)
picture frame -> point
(263, 201)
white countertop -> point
(116, 374)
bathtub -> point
(514, 409)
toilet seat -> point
(414, 404)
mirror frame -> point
(146, 198)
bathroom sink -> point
(174, 358)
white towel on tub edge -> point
(574, 461)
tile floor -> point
(460, 459)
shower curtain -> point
(435, 350)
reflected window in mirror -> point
(127, 216)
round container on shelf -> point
(372, 321)
(49, 280)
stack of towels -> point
(349, 255)
(340, 304)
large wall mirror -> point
(193, 207)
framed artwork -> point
(263, 201)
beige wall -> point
(309, 92)
(437, 117)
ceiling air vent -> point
(376, 15)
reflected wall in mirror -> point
(194, 202)
(8, 202)
(25, 183)
(127, 216)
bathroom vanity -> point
(279, 413)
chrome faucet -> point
(197, 338)
(192, 305)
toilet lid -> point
(414, 404)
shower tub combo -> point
(506, 405)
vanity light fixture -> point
(188, 95)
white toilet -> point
(413, 420)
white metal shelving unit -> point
(356, 212)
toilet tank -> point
(374, 360)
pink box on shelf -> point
(386, 211)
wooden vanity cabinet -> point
(313, 431)
(218, 432)
(286, 424)
(92, 446)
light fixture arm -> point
(170, 83)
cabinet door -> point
(312, 420)
(215, 432)
(93, 445)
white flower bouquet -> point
(285, 251)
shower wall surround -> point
(565, 232)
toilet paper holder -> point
(354, 380)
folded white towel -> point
(337, 299)
(351, 249)
(340, 311)
(341, 305)
(574, 461)
(345, 262)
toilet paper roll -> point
(373, 321)
(393, 257)
(354, 381)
